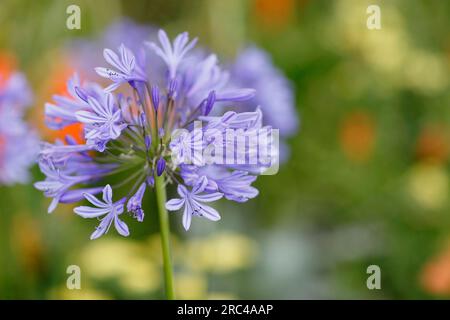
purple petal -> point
(200, 185)
(179, 42)
(88, 117)
(76, 195)
(160, 166)
(208, 197)
(95, 201)
(121, 227)
(120, 205)
(107, 194)
(109, 74)
(81, 93)
(236, 95)
(113, 59)
(208, 212)
(182, 191)
(113, 86)
(89, 212)
(209, 103)
(103, 227)
(101, 109)
(164, 40)
(155, 97)
(127, 57)
(174, 204)
(187, 216)
(53, 205)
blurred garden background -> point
(366, 181)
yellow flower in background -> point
(425, 71)
(221, 296)
(384, 49)
(190, 286)
(221, 253)
(389, 50)
(62, 293)
(153, 247)
(142, 277)
(123, 260)
(104, 258)
(428, 185)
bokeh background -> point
(367, 180)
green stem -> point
(161, 198)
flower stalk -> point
(161, 199)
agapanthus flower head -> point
(18, 143)
(161, 125)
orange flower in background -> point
(8, 64)
(275, 13)
(435, 277)
(433, 144)
(2, 149)
(57, 85)
(26, 236)
(357, 136)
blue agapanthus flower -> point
(193, 202)
(108, 209)
(156, 119)
(18, 143)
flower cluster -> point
(138, 128)
(18, 144)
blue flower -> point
(235, 185)
(204, 75)
(155, 97)
(193, 203)
(172, 54)
(63, 112)
(103, 122)
(19, 143)
(16, 91)
(186, 147)
(157, 129)
(134, 204)
(127, 68)
(160, 166)
(57, 186)
(108, 209)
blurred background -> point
(366, 181)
